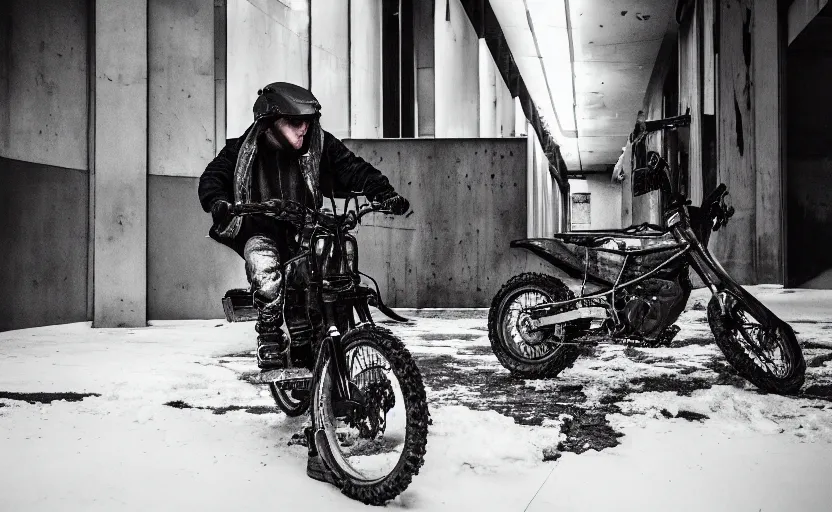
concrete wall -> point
(331, 64)
(468, 200)
(44, 182)
(268, 41)
(187, 272)
(43, 82)
(181, 104)
(456, 69)
(452, 252)
(43, 278)
(809, 163)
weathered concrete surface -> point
(43, 82)
(181, 88)
(120, 189)
(188, 273)
(43, 278)
(468, 199)
(365, 68)
(456, 69)
(330, 60)
(268, 41)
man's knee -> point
(263, 268)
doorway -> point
(809, 156)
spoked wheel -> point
(294, 402)
(523, 351)
(376, 448)
(769, 357)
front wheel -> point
(769, 357)
(378, 446)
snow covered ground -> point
(625, 429)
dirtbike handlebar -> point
(297, 213)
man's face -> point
(293, 130)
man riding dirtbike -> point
(286, 155)
(264, 193)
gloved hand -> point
(220, 212)
(394, 203)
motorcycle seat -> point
(624, 240)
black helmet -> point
(282, 99)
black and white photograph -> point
(427, 255)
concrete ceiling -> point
(614, 48)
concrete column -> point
(457, 71)
(488, 92)
(329, 31)
(120, 226)
(734, 245)
(365, 69)
(425, 70)
(769, 47)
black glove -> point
(221, 212)
(394, 203)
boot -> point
(272, 343)
(315, 467)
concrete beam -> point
(120, 224)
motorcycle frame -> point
(321, 256)
(688, 246)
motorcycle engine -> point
(649, 304)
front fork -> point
(721, 284)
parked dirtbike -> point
(640, 284)
(369, 412)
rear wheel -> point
(769, 357)
(294, 402)
(378, 447)
(524, 352)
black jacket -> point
(341, 171)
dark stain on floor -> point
(256, 409)
(246, 354)
(496, 390)
(685, 415)
(45, 398)
(818, 361)
(445, 337)
(702, 341)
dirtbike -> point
(634, 283)
(369, 414)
